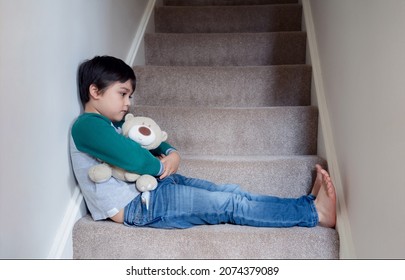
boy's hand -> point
(171, 163)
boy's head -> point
(102, 71)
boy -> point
(106, 85)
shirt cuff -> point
(170, 150)
(162, 168)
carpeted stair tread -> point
(224, 2)
(284, 176)
(213, 242)
(238, 131)
(232, 86)
(222, 19)
(225, 49)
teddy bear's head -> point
(144, 131)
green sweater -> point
(97, 136)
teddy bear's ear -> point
(164, 136)
(129, 116)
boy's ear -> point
(94, 92)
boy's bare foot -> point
(318, 181)
(325, 202)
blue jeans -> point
(181, 202)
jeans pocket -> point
(137, 214)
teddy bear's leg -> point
(100, 173)
(146, 183)
(123, 175)
(131, 177)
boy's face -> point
(114, 101)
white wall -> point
(361, 47)
(41, 44)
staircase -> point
(228, 81)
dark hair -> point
(102, 71)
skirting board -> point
(136, 49)
(343, 225)
(62, 246)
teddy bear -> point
(148, 134)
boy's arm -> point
(94, 135)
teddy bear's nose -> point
(144, 130)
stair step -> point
(238, 131)
(254, 86)
(212, 241)
(288, 176)
(225, 2)
(222, 19)
(225, 49)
